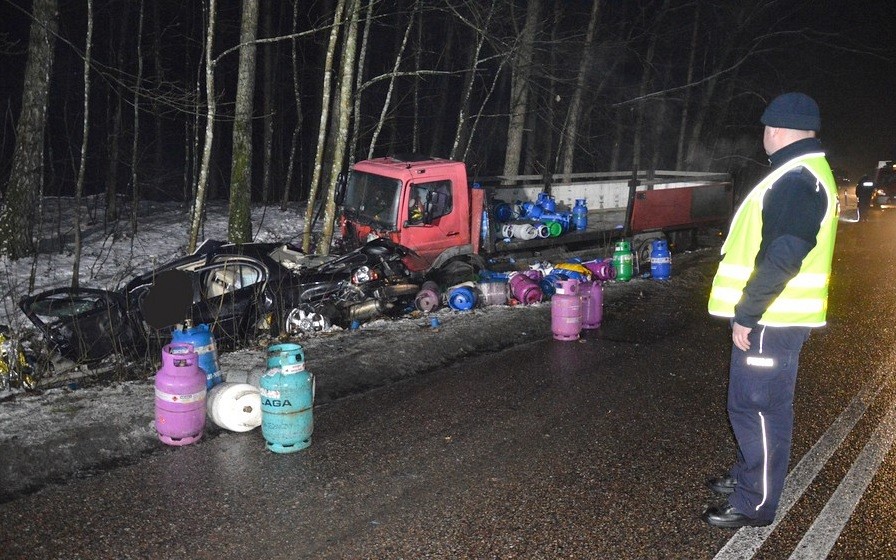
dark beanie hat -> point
(792, 110)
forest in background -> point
(112, 96)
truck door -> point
(430, 218)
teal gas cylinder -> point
(287, 400)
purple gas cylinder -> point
(524, 289)
(566, 310)
(602, 269)
(428, 297)
(592, 294)
(180, 396)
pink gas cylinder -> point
(601, 269)
(592, 294)
(566, 310)
(524, 289)
(428, 297)
(180, 396)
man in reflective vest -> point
(772, 284)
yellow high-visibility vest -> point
(804, 300)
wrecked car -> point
(240, 291)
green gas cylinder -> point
(622, 261)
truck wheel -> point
(458, 270)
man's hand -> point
(739, 334)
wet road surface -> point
(589, 449)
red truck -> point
(430, 205)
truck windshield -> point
(373, 199)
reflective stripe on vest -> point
(803, 302)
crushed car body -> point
(240, 291)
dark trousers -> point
(760, 408)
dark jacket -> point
(792, 211)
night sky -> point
(853, 78)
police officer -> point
(773, 285)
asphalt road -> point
(549, 449)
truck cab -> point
(422, 203)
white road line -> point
(821, 536)
(746, 541)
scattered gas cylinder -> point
(547, 202)
(580, 215)
(234, 406)
(492, 291)
(555, 229)
(592, 294)
(525, 289)
(542, 230)
(462, 297)
(548, 284)
(503, 212)
(622, 261)
(523, 231)
(601, 269)
(428, 297)
(486, 227)
(660, 260)
(566, 310)
(574, 270)
(180, 389)
(203, 343)
(287, 400)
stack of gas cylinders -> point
(279, 397)
(533, 219)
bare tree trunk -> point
(135, 186)
(349, 50)
(519, 90)
(297, 95)
(571, 130)
(268, 106)
(685, 105)
(199, 201)
(239, 227)
(114, 151)
(26, 174)
(326, 100)
(362, 60)
(386, 103)
(79, 186)
(467, 90)
(550, 109)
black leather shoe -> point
(726, 516)
(722, 484)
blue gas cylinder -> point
(660, 260)
(462, 298)
(547, 202)
(203, 343)
(503, 211)
(580, 215)
(485, 226)
(287, 400)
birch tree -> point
(239, 226)
(326, 100)
(82, 167)
(347, 69)
(25, 185)
(202, 184)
